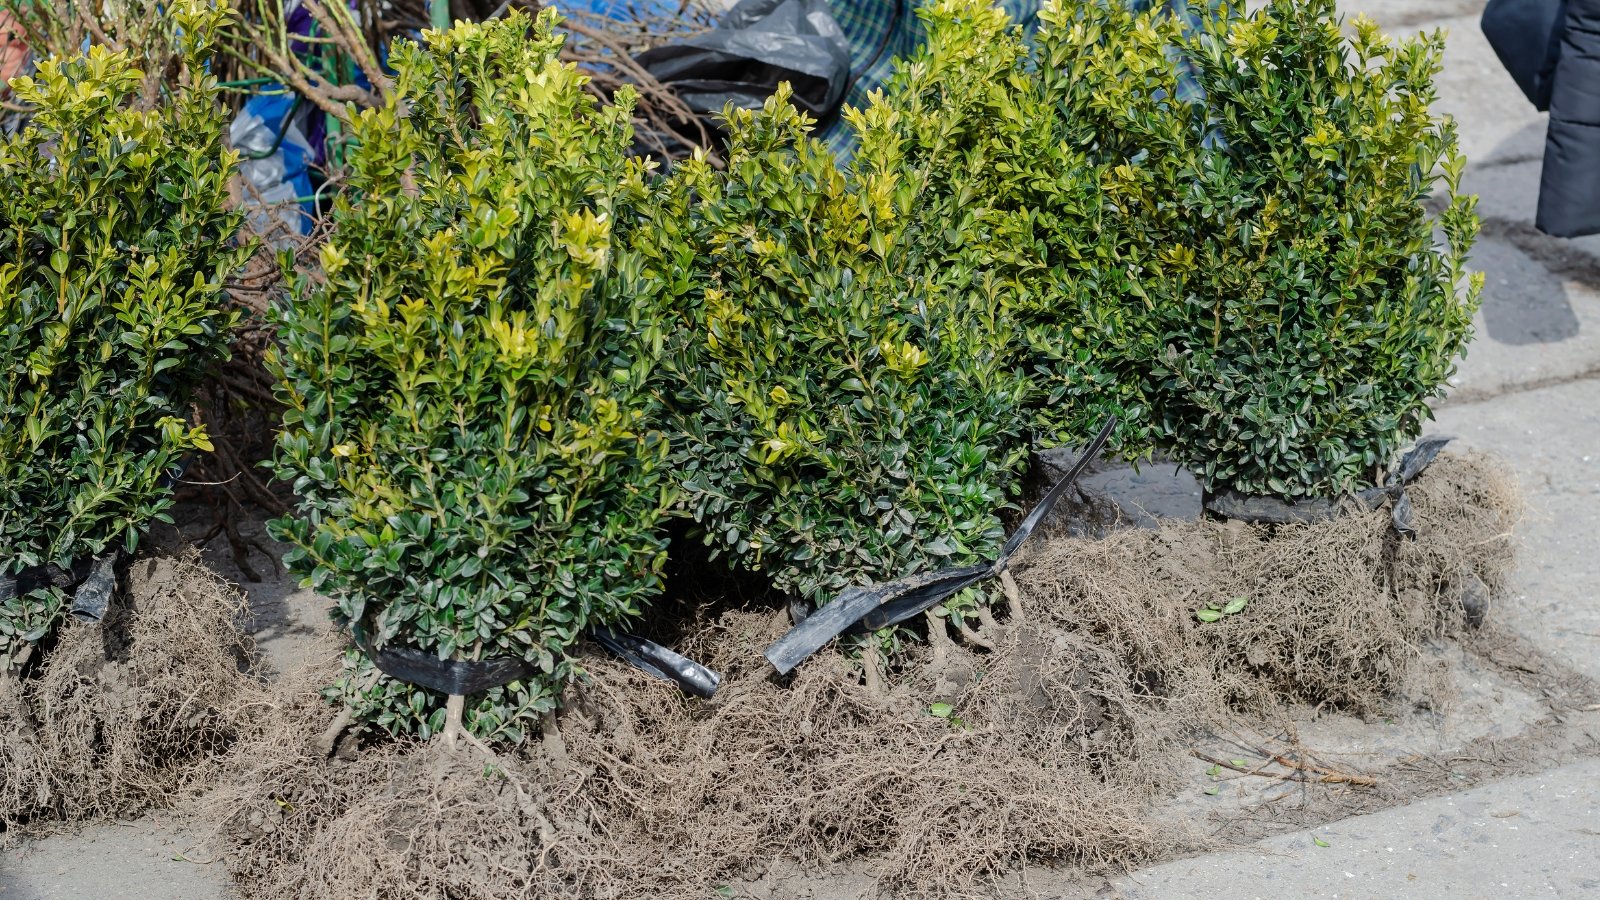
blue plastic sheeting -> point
(282, 138)
(270, 133)
(624, 9)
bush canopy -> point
(1260, 286)
(846, 409)
(116, 240)
(470, 424)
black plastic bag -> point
(756, 46)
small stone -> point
(1474, 600)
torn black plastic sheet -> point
(860, 609)
(460, 677)
(1231, 504)
(757, 45)
(91, 582)
(93, 596)
(1411, 465)
(659, 661)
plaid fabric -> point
(1189, 89)
(881, 31)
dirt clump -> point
(121, 715)
(1038, 739)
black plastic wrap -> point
(756, 46)
(1230, 504)
(868, 609)
(461, 677)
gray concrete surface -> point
(1551, 437)
(144, 860)
(1496, 123)
(1537, 836)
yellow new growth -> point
(586, 237)
(1179, 258)
(781, 445)
(333, 259)
(904, 359)
(516, 341)
(1251, 40)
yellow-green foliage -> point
(1258, 284)
(469, 423)
(115, 242)
(848, 408)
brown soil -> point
(1064, 724)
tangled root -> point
(123, 714)
(966, 762)
(1465, 552)
(646, 793)
(1337, 611)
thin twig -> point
(1297, 772)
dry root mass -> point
(123, 715)
(1062, 724)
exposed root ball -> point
(25, 770)
(1336, 611)
(652, 795)
(1464, 546)
(123, 714)
(966, 763)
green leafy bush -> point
(469, 421)
(848, 409)
(1263, 291)
(1021, 182)
(115, 240)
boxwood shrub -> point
(116, 238)
(848, 407)
(1267, 290)
(469, 425)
